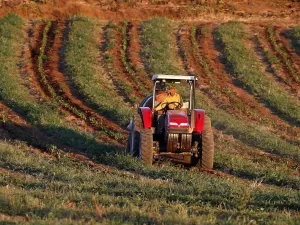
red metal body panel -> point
(147, 117)
(199, 120)
(177, 119)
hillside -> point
(72, 72)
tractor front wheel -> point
(134, 137)
(133, 143)
(206, 160)
(146, 146)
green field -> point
(60, 163)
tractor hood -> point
(177, 120)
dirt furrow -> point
(224, 90)
(31, 51)
(250, 108)
(273, 68)
(133, 51)
(237, 100)
(120, 67)
(18, 129)
(287, 72)
(190, 61)
(31, 74)
(58, 82)
(281, 36)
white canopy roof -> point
(172, 77)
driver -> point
(172, 96)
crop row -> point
(44, 80)
(63, 101)
(41, 116)
(243, 65)
(221, 92)
(125, 60)
(134, 51)
(110, 62)
(219, 89)
(90, 78)
(272, 60)
(283, 55)
(12, 92)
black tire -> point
(146, 146)
(133, 146)
(206, 160)
(133, 140)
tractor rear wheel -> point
(146, 146)
(206, 160)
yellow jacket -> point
(168, 99)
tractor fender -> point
(199, 120)
(146, 114)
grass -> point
(249, 134)
(242, 64)
(43, 188)
(157, 49)
(82, 51)
(237, 159)
(56, 187)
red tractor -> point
(173, 130)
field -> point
(71, 75)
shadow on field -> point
(47, 138)
(294, 42)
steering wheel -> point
(166, 105)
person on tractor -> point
(160, 97)
(172, 100)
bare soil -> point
(278, 71)
(134, 50)
(254, 10)
(119, 67)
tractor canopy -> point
(183, 86)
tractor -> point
(177, 131)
